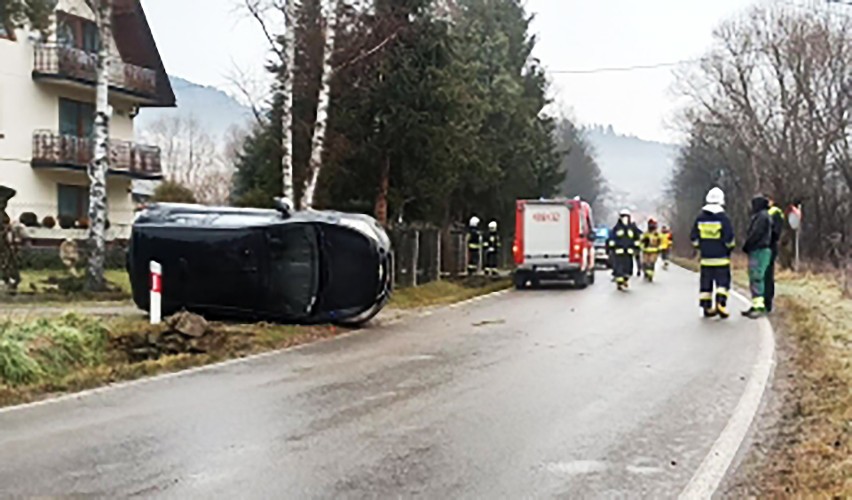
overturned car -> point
(255, 264)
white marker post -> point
(156, 308)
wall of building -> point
(26, 106)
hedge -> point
(40, 258)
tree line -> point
(770, 111)
(428, 111)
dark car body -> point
(304, 267)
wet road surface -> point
(549, 393)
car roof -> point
(224, 217)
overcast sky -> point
(203, 40)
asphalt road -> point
(549, 393)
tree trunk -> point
(287, 89)
(382, 196)
(321, 128)
(99, 166)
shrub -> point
(49, 222)
(29, 219)
(66, 221)
(47, 258)
(173, 192)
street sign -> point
(794, 217)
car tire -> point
(591, 278)
(360, 321)
(581, 280)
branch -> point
(239, 80)
(372, 51)
(253, 6)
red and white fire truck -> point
(554, 240)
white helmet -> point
(715, 197)
(474, 221)
(624, 212)
(492, 226)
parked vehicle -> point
(304, 267)
(601, 250)
(554, 240)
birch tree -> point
(321, 128)
(287, 116)
(99, 166)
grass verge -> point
(48, 357)
(806, 451)
(445, 292)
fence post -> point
(415, 253)
(156, 304)
(439, 235)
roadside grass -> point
(810, 449)
(48, 357)
(444, 292)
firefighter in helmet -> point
(623, 241)
(713, 236)
(492, 249)
(651, 243)
(666, 245)
(474, 246)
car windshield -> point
(294, 267)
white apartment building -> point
(47, 96)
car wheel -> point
(360, 320)
(581, 280)
(592, 276)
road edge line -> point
(229, 362)
(718, 461)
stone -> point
(187, 323)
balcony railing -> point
(51, 149)
(82, 66)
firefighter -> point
(492, 249)
(666, 246)
(623, 241)
(777, 217)
(474, 246)
(757, 246)
(713, 236)
(650, 243)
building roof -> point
(136, 45)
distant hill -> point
(637, 168)
(215, 109)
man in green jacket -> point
(777, 216)
(757, 246)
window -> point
(73, 201)
(77, 32)
(76, 118)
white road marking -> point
(716, 464)
(216, 366)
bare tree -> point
(772, 113)
(190, 157)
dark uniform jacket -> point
(713, 236)
(624, 238)
(760, 227)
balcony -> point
(53, 150)
(78, 67)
